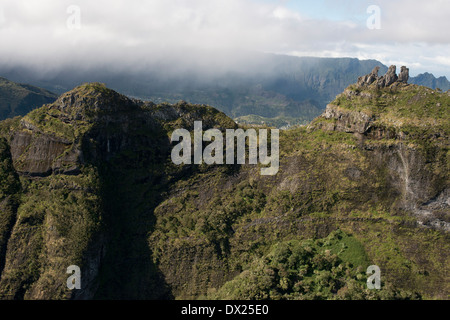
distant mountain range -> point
(274, 89)
(19, 99)
(429, 80)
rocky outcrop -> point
(369, 78)
(389, 78)
(384, 81)
(435, 212)
(361, 111)
(404, 74)
(345, 120)
(41, 154)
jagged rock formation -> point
(369, 78)
(389, 78)
(404, 74)
(384, 81)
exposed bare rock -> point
(389, 78)
(368, 79)
(345, 120)
(404, 74)
(43, 154)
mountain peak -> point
(429, 80)
(387, 102)
(91, 99)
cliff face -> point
(375, 165)
(412, 165)
(91, 169)
(88, 181)
(406, 127)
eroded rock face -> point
(369, 78)
(410, 173)
(346, 121)
(389, 78)
(384, 81)
(404, 74)
(40, 155)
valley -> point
(88, 180)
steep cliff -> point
(91, 167)
(375, 165)
(88, 181)
(406, 127)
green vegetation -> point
(18, 99)
(146, 228)
(308, 270)
(9, 197)
(399, 105)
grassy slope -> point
(18, 99)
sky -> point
(49, 34)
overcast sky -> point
(51, 33)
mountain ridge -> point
(93, 186)
(429, 80)
(276, 89)
(268, 85)
(18, 99)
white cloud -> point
(133, 32)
